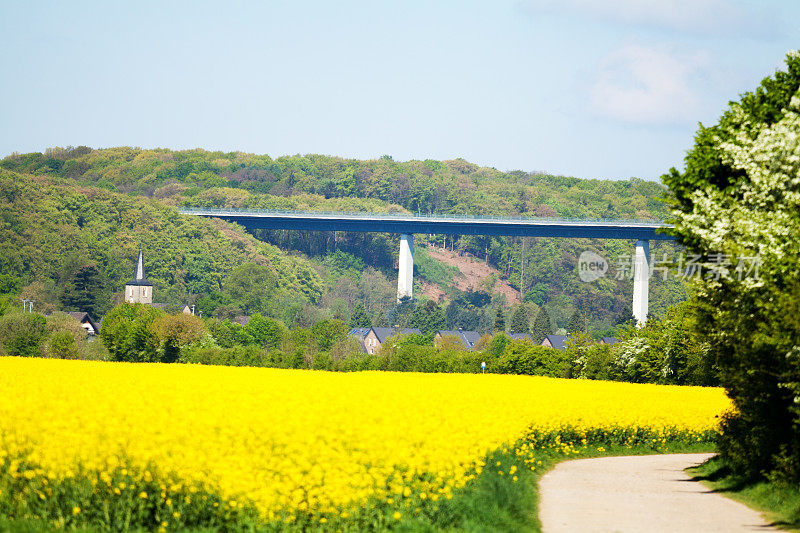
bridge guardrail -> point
(418, 216)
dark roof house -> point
(375, 337)
(557, 342)
(359, 334)
(468, 338)
(91, 327)
(385, 333)
(609, 340)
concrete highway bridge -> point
(641, 231)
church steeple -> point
(139, 290)
(138, 275)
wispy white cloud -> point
(700, 17)
(647, 85)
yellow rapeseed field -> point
(289, 441)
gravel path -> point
(637, 494)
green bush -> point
(228, 334)
(524, 357)
(326, 332)
(266, 332)
(216, 355)
(498, 345)
(276, 359)
(127, 334)
(62, 345)
(175, 333)
(360, 362)
(322, 361)
(22, 334)
(406, 358)
(596, 362)
(7, 302)
(669, 350)
(637, 361)
(297, 359)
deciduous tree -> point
(737, 205)
(127, 334)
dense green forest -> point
(76, 217)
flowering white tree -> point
(738, 202)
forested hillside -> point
(67, 208)
(52, 229)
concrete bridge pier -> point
(641, 281)
(405, 278)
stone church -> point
(139, 290)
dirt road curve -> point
(637, 494)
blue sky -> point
(609, 89)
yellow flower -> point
(76, 510)
(357, 437)
(397, 515)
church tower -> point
(139, 290)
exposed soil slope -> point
(474, 275)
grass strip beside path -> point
(496, 502)
(779, 502)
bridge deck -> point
(438, 223)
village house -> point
(359, 334)
(518, 336)
(91, 327)
(371, 339)
(557, 342)
(468, 338)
